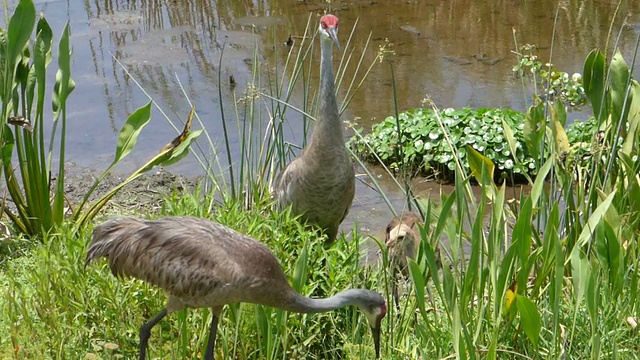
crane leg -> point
(208, 355)
(145, 332)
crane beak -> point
(333, 34)
(375, 331)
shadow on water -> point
(459, 53)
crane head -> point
(375, 312)
(329, 28)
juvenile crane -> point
(320, 183)
(402, 237)
(200, 263)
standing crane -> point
(402, 237)
(200, 263)
(320, 183)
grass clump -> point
(100, 315)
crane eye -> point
(323, 24)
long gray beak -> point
(334, 36)
(375, 331)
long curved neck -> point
(303, 304)
(328, 127)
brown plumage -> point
(200, 263)
(402, 237)
(319, 184)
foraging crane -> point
(320, 183)
(402, 237)
(200, 263)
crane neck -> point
(302, 304)
(328, 127)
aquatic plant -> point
(549, 83)
(35, 188)
(424, 150)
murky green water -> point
(166, 43)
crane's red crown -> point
(328, 21)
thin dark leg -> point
(145, 332)
(208, 355)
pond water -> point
(163, 44)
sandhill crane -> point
(319, 184)
(402, 237)
(200, 263)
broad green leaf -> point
(530, 316)
(630, 144)
(445, 214)
(506, 271)
(560, 112)
(482, 169)
(419, 285)
(609, 252)
(593, 297)
(631, 188)
(450, 288)
(534, 128)
(522, 235)
(22, 68)
(126, 142)
(300, 271)
(593, 221)
(558, 117)
(510, 297)
(182, 150)
(472, 273)
(44, 32)
(511, 141)
(555, 260)
(619, 88)
(580, 274)
(593, 81)
(64, 84)
(522, 231)
(130, 131)
(538, 186)
(41, 60)
(21, 28)
(8, 142)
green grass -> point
(49, 292)
(91, 312)
(551, 273)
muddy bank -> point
(141, 197)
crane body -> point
(200, 263)
(319, 184)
